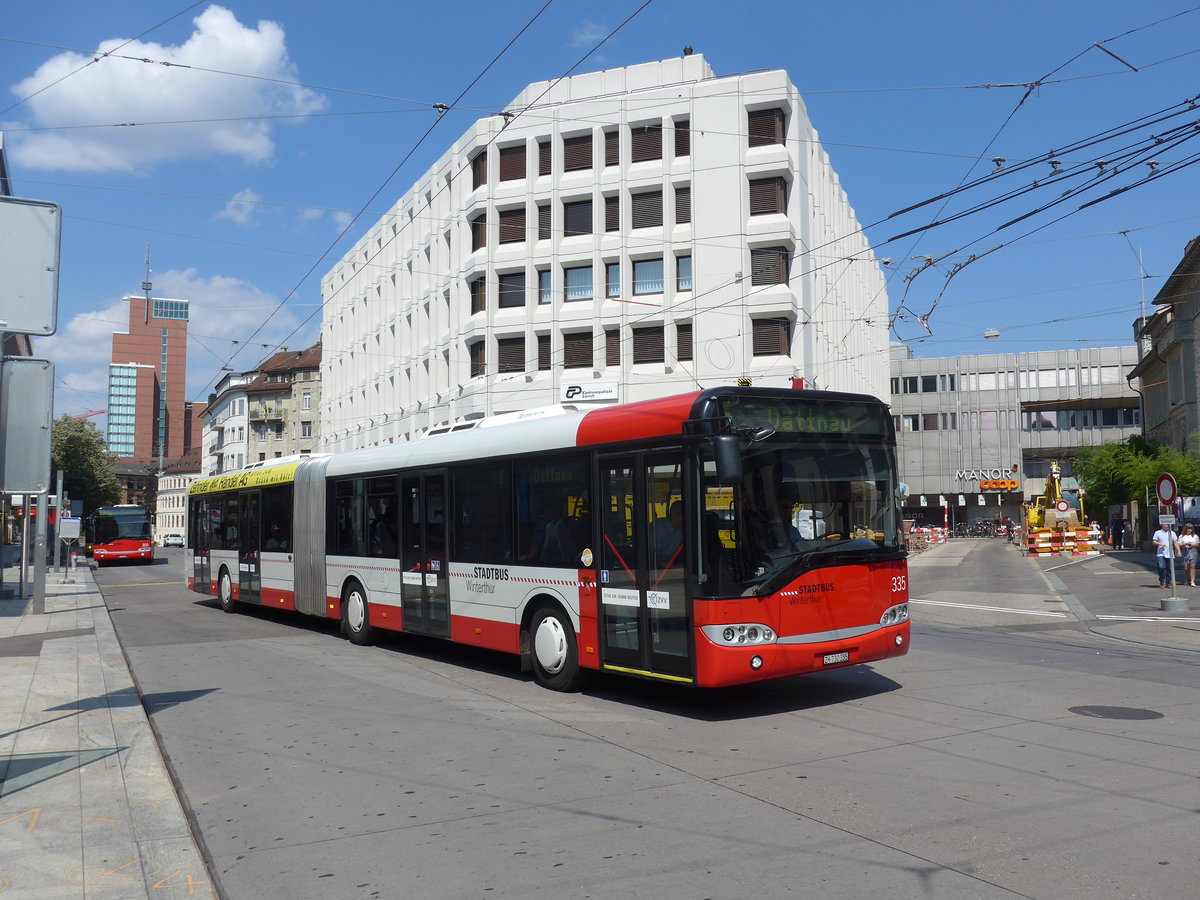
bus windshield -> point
(120, 524)
(802, 503)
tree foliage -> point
(79, 451)
(1121, 472)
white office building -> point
(610, 237)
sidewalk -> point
(87, 807)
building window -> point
(306, 400)
(479, 232)
(648, 345)
(648, 276)
(612, 148)
(768, 196)
(512, 163)
(577, 283)
(683, 341)
(577, 153)
(683, 205)
(544, 292)
(612, 280)
(577, 350)
(929, 422)
(479, 169)
(928, 384)
(512, 290)
(279, 431)
(772, 337)
(306, 429)
(612, 347)
(947, 382)
(645, 142)
(577, 218)
(683, 138)
(475, 352)
(646, 209)
(765, 127)
(612, 213)
(510, 354)
(910, 384)
(544, 155)
(543, 212)
(895, 386)
(683, 273)
(478, 288)
(511, 225)
(910, 423)
(769, 265)
(543, 341)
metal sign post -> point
(1168, 492)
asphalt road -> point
(983, 764)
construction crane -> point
(90, 413)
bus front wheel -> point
(225, 593)
(553, 651)
(356, 615)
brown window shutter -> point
(646, 209)
(765, 126)
(612, 347)
(511, 225)
(478, 295)
(767, 195)
(544, 156)
(769, 265)
(645, 142)
(577, 218)
(479, 169)
(772, 337)
(683, 205)
(612, 148)
(543, 352)
(544, 233)
(512, 290)
(683, 138)
(512, 163)
(510, 354)
(577, 350)
(479, 232)
(577, 153)
(683, 340)
(476, 354)
(648, 345)
(612, 213)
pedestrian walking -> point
(1189, 543)
(1166, 546)
(1118, 533)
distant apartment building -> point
(1167, 361)
(170, 515)
(226, 425)
(965, 421)
(612, 236)
(146, 381)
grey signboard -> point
(29, 241)
(26, 401)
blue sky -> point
(281, 121)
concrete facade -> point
(226, 426)
(630, 234)
(969, 419)
(285, 400)
(170, 514)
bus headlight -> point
(742, 635)
(894, 615)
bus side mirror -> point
(727, 453)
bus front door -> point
(424, 585)
(645, 621)
(249, 537)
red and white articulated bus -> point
(119, 533)
(725, 536)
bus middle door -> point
(200, 541)
(645, 620)
(249, 543)
(424, 572)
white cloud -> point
(241, 208)
(588, 34)
(342, 220)
(123, 90)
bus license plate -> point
(835, 658)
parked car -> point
(173, 540)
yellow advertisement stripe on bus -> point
(249, 479)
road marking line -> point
(1027, 612)
(1193, 619)
(146, 584)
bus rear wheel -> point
(225, 593)
(553, 651)
(356, 615)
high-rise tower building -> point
(147, 419)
